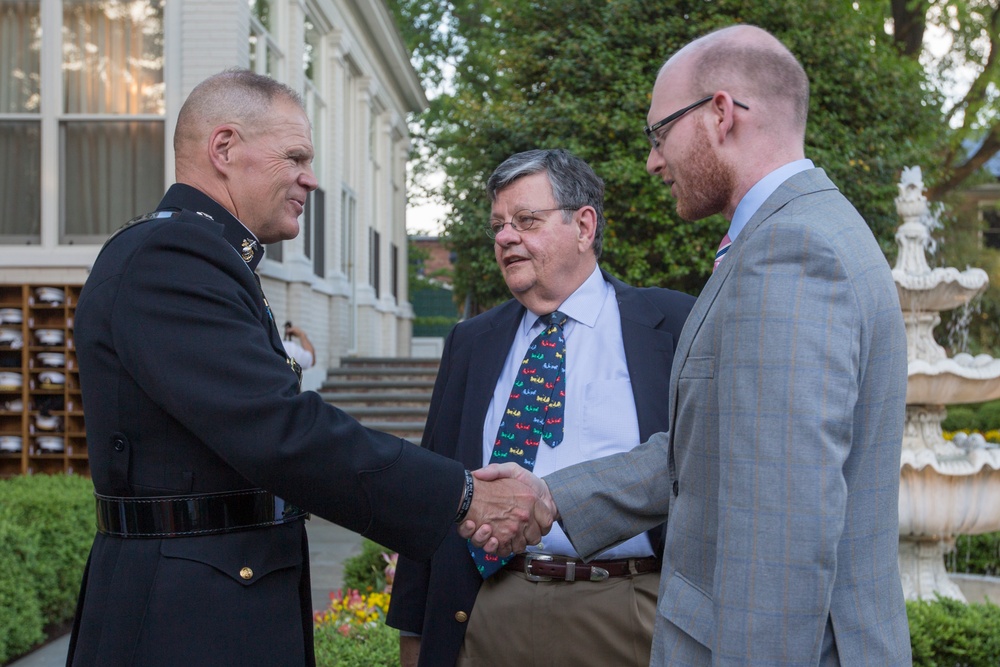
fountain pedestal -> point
(944, 490)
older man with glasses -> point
(570, 369)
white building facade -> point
(89, 94)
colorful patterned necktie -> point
(721, 252)
(534, 412)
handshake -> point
(511, 509)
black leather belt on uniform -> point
(542, 567)
(192, 515)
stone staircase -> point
(385, 394)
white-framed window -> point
(82, 104)
(265, 56)
(348, 223)
(990, 214)
(375, 260)
(315, 215)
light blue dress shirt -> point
(759, 193)
(600, 417)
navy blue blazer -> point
(426, 596)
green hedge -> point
(980, 417)
(377, 646)
(947, 633)
(975, 554)
(46, 529)
(47, 525)
(366, 571)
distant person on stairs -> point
(302, 351)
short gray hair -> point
(233, 95)
(574, 183)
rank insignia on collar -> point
(249, 249)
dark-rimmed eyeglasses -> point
(521, 221)
(651, 130)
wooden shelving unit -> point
(23, 409)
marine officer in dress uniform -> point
(204, 455)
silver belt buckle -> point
(529, 558)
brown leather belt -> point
(192, 515)
(542, 567)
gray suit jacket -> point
(781, 467)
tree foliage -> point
(577, 74)
(972, 30)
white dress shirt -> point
(599, 417)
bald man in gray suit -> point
(780, 471)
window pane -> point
(253, 52)
(112, 171)
(113, 56)
(991, 233)
(20, 38)
(319, 229)
(20, 181)
(310, 52)
(261, 10)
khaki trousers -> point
(521, 623)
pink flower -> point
(390, 570)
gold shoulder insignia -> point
(249, 249)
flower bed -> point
(351, 632)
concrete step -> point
(396, 386)
(386, 394)
(378, 373)
(387, 399)
(389, 362)
(395, 415)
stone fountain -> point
(945, 489)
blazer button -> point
(246, 573)
(461, 616)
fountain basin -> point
(938, 290)
(941, 499)
(948, 381)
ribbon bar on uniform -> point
(192, 515)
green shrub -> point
(47, 524)
(960, 417)
(374, 646)
(975, 554)
(947, 633)
(352, 632)
(989, 416)
(366, 571)
(973, 417)
(20, 613)
(59, 509)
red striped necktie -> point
(721, 252)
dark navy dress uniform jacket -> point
(181, 365)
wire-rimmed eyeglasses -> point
(521, 221)
(651, 130)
